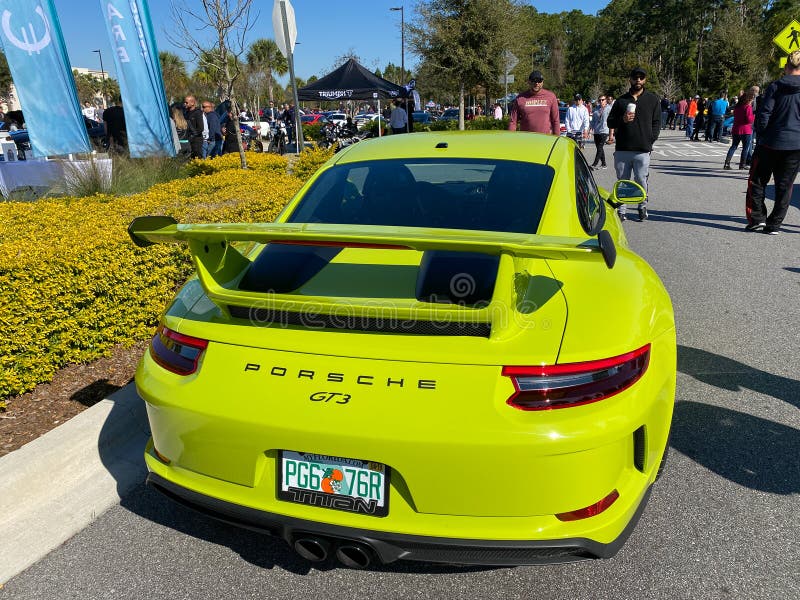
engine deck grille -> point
(263, 316)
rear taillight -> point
(176, 352)
(591, 510)
(561, 386)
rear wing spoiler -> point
(220, 265)
(145, 231)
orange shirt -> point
(692, 112)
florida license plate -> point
(348, 484)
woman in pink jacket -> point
(742, 130)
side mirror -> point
(627, 192)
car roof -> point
(492, 145)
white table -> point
(45, 173)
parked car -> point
(443, 350)
(338, 118)
(422, 117)
(313, 119)
(362, 118)
(450, 114)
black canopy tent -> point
(351, 81)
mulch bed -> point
(73, 389)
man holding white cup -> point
(636, 120)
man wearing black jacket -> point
(778, 151)
(636, 121)
(194, 126)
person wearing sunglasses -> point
(636, 121)
(536, 110)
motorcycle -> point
(278, 137)
(250, 138)
(341, 136)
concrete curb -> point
(56, 485)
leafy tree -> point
(173, 71)
(5, 76)
(86, 86)
(395, 74)
(90, 87)
(462, 41)
(265, 56)
(736, 58)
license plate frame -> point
(355, 473)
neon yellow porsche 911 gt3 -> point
(442, 350)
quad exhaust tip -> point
(351, 554)
(312, 548)
(355, 556)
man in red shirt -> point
(536, 109)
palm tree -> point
(264, 55)
(173, 71)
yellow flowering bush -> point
(310, 160)
(259, 161)
(73, 285)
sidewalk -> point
(56, 485)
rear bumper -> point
(389, 547)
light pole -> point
(402, 52)
(103, 77)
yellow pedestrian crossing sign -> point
(788, 40)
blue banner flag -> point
(39, 65)
(140, 82)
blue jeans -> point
(631, 162)
(212, 148)
(715, 127)
(689, 127)
(745, 139)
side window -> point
(591, 208)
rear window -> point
(476, 194)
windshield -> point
(484, 195)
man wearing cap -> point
(577, 120)
(636, 120)
(536, 109)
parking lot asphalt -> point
(721, 523)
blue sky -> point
(326, 30)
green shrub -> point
(313, 133)
(372, 127)
(484, 123)
(444, 126)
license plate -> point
(348, 484)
